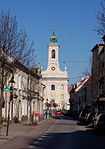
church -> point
(56, 81)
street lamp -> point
(11, 99)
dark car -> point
(82, 115)
(99, 122)
(89, 118)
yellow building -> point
(56, 81)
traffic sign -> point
(7, 89)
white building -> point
(27, 94)
(55, 80)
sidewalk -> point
(20, 135)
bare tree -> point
(14, 45)
(101, 19)
(30, 79)
(87, 71)
(14, 41)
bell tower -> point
(53, 53)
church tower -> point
(53, 62)
(56, 93)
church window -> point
(52, 87)
(53, 53)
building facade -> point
(80, 96)
(26, 96)
(98, 76)
(55, 80)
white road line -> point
(41, 138)
(50, 128)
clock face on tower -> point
(53, 68)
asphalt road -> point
(68, 133)
(21, 136)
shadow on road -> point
(80, 123)
(70, 140)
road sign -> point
(7, 89)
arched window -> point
(52, 87)
(53, 53)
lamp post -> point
(11, 99)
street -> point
(60, 133)
(67, 133)
(52, 66)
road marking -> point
(43, 136)
(50, 127)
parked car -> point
(82, 115)
(85, 117)
(89, 118)
(99, 122)
(96, 114)
(58, 113)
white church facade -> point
(56, 81)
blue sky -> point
(74, 22)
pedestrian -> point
(47, 112)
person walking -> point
(48, 112)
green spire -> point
(53, 39)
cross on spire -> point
(53, 29)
